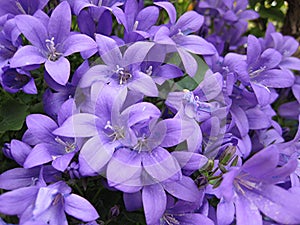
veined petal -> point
(276, 78)
(225, 212)
(26, 56)
(184, 189)
(96, 153)
(195, 44)
(95, 73)
(144, 84)
(177, 131)
(16, 202)
(59, 70)
(169, 7)
(189, 62)
(39, 155)
(189, 160)
(161, 165)
(291, 63)
(78, 125)
(147, 17)
(18, 178)
(124, 171)
(60, 22)
(108, 50)
(43, 201)
(139, 112)
(78, 43)
(80, 208)
(189, 22)
(41, 127)
(253, 50)
(257, 119)
(246, 209)
(19, 151)
(240, 119)
(154, 202)
(277, 203)
(136, 53)
(33, 29)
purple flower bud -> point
(14, 80)
(114, 211)
(6, 150)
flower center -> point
(123, 75)
(195, 101)
(170, 220)
(255, 73)
(69, 147)
(114, 131)
(149, 71)
(141, 144)
(52, 52)
(19, 6)
(57, 198)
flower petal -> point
(96, 153)
(60, 22)
(80, 208)
(184, 189)
(78, 125)
(26, 56)
(33, 29)
(154, 202)
(16, 202)
(161, 165)
(124, 170)
(59, 70)
(78, 43)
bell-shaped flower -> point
(250, 189)
(47, 146)
(46, 204)
(121, 70)
(51, 43)
(176, 35)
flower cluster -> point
(163, 108)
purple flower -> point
(17, 7)
(47, 146)
(14, 80)
(177, 36)
(51, 43)
(137, 22)
(55, 96)
(250, 189)
(109, 127)
(285, 45)
(46, 204)
(183, 212)
(197, 106)
(154, 199)
(121, 70)
(228, 21)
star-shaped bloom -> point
(121, 70)
(51, 43)
(43, 204)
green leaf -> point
(191, 83)
(12, 115)
(271, 13)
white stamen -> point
(19, 6)
(135, 25)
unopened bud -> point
(227, 155)
(114, 211)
